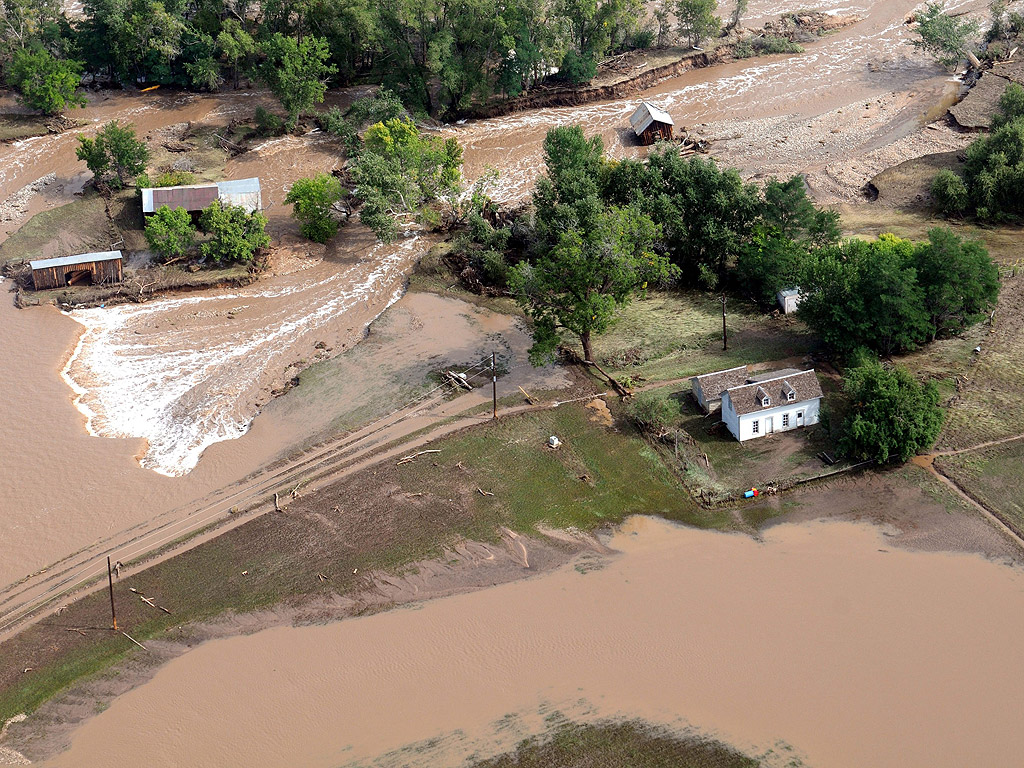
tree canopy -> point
(296, 71)
(891, 417)
(235, 234)
(401, 174)
(312, 200)
(593, 258)
(45, 82)
(115, 149)
(948, 38)
(170, 233)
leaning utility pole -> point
(494, 387)
(725, 333)
(110, 584)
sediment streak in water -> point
(185, 373)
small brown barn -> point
(650, 124)
(84, 269)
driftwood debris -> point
(277, 503)
(458, 380)
(178, 146)
(529, 398)
(411, 458)
(484, 493)
(134, 640)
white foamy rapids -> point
(184, 373)
(782, 86)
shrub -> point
(950, 192)
(267, 123)
(891, 416)
(653, 413)
(168, 179)
(170, 232)
(236, 234)
(577, 69)
(312, 200)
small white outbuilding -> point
(789, 300)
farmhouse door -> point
(799, 418)
(769, 425)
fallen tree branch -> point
(408, 459)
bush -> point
(170, 232)
(577, 69)
(44, 82)
(236, 234)
(312, 200)
(891, 416)
(950, 192)
(653, 413)
(168, 179)
(267, 123)
(776, 44)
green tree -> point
(697, 20)
(296, 71)
(579, 284)
(44, 82)
(866, 294)
(959, 279)
(950, 192)
(737, 13)
(116, 149)
(891, 416)
(170, 233)
(235, 234)
(947, 38)
(132, 39)
(313, 199)
(1011, 106)
(400, 175)
(591, 258)
(236, 48)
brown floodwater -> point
(112, 415)
(820, 642)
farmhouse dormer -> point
(763, 397)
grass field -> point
(993, 476)
(672, 335)
(619, 745)
(80, 226)
(17, 127)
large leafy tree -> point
(116, 149)
(312, 200)
(993, 175)
(593, 258)
(170, 232)
(133, 39)
(400, 175)
(236, 48)
(866, 294)
(947, 38)
(296, 71)
(959, 280)
(891, 417)
(235, 234)
(45, 82)
(697, 20)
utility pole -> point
(725, 333)
(110, 584)
(494, 387)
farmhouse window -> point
(755, 426)
(785, 419)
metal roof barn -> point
(244, 193)
(83, 269)
(650, 123)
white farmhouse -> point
(709, 388)
(772, 402)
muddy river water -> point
(106, 412)
(821, 642)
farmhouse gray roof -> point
(82, 258)
(773, 375)
(804, 384)
(712, 385)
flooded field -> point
(165, 381)
(821, 644)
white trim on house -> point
(782, 418)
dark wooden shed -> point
(84, 269)
(651, 124)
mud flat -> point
(797, 640)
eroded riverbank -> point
(796, 640)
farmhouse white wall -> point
(742, 427)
